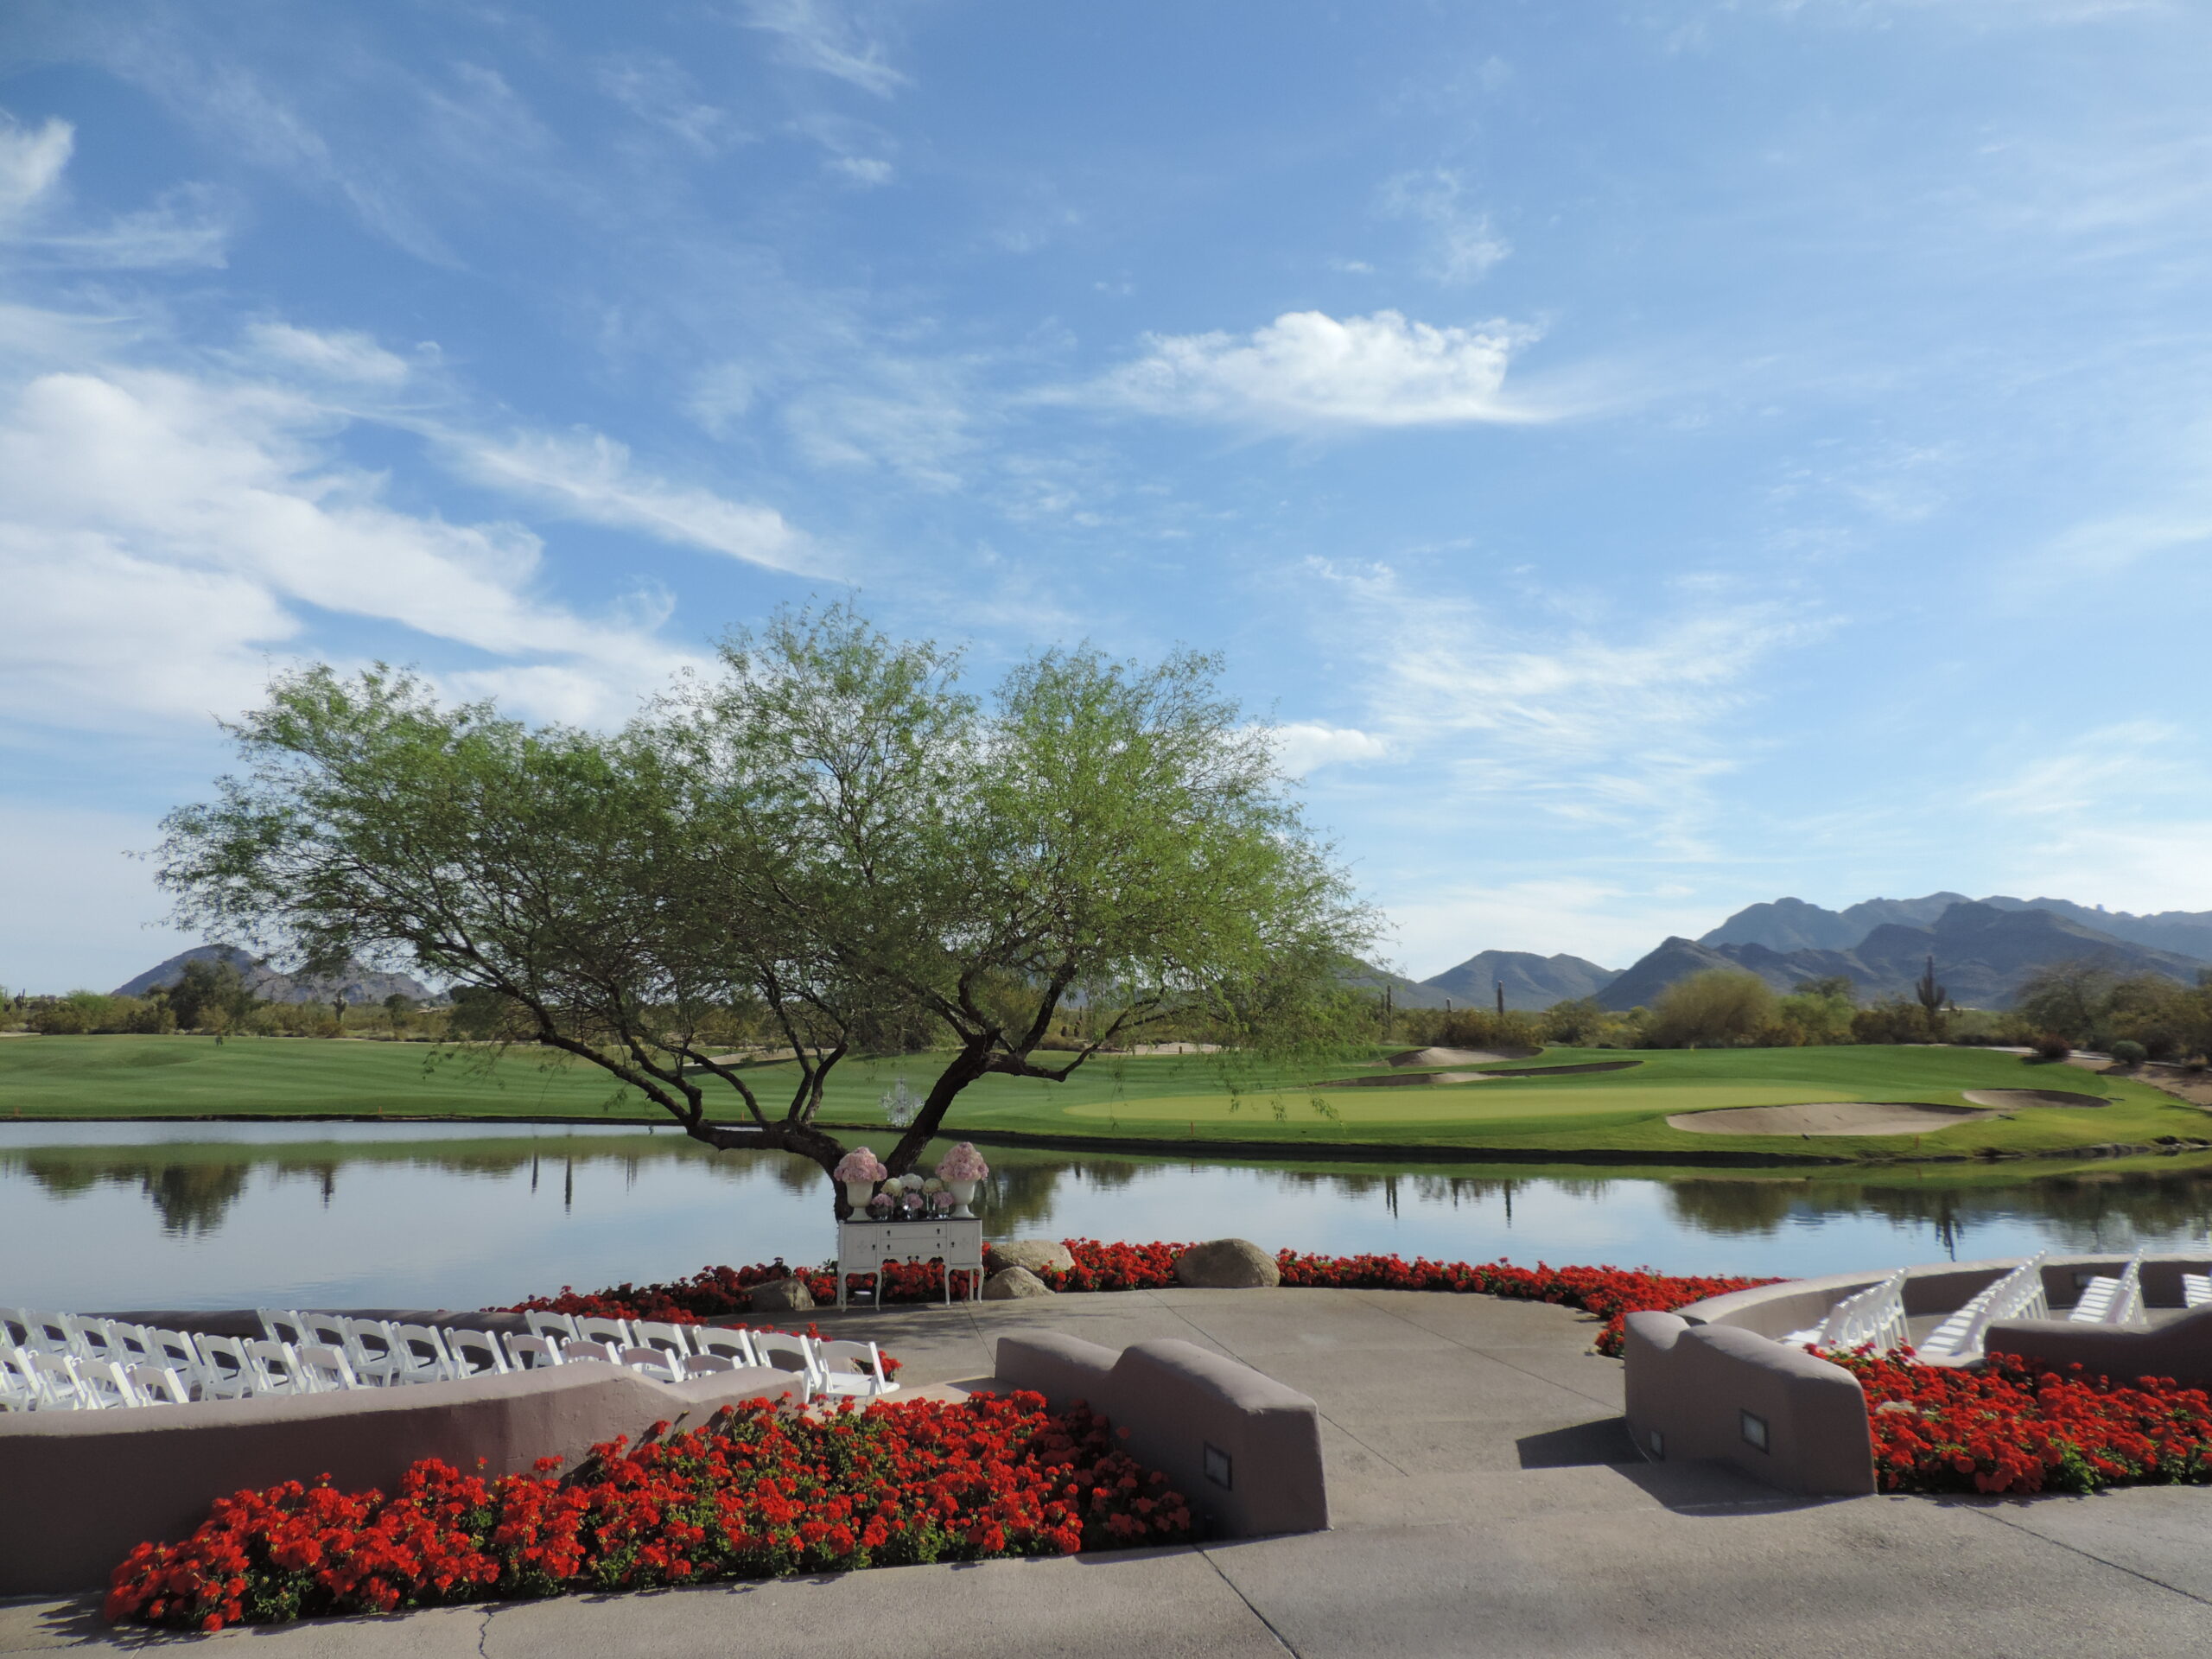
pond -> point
(236, 1214)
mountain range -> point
(1984, 950)
(359, 986)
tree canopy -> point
(825, 841)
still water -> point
(139, 1214)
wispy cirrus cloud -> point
(830, 38)
(1308, 369)
(1463, 245)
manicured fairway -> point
(1188, 1099)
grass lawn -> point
(1189, 1099)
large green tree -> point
(826, 841)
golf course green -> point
(1516, 1108)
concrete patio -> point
(1486, 1500)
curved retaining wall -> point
(1713, 1381)
(78, 1490)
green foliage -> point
(826, 841)
(1578, 1023)
(1720, 1008)
(1893, 1020)
(2127, 1051)
(1818, 1011)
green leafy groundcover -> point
(760, 1490)
(1612, 1293)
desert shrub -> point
(2051, 1047)
(1814, 1013)
(1720, 1008)
(1578, 1023)
(2127, 1052)
(1484, 1028)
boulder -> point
(1013, 1285)
(1035, 1254)
(1227, 1264)
(782, 1295)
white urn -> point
(963, 1194)
(857, 1193)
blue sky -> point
(1646, 458)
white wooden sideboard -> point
(864, 1246)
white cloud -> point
(1306, 369)
(31, 160)
(868, 171)
(588, 476)
(1463, 245)
(341, 354)
(159, 534)
(1302, 746)
(820, 36)
(660, 92)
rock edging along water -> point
(1364, 1152)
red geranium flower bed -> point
(2014, 1427)
(1612, 1293)
(759, 1491)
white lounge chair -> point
(2106, 1300)
(850, 1369)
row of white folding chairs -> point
(835, 1368)
(1874, 1315)
(2017, 1295)
(2196, 1289)
(2107, 1301)
(211, 1367)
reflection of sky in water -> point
(229, 1215)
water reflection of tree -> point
(190, 1196)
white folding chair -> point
(656, 1363)
(653, 1333)
(2196, 1289)
(227, 1370)
(597, 1327)
(530, 1353)
(283, 1324)
(705, 1364)
(788, 1353)
(134, 1344)
(55, 1376)
(850, 1368)
(375, 1352)
(160, 1385)
(556, 1327)
(325, 1369)
(576, 1350)
(51, 1333)
(106, 1384)
(19, 1389)
(329, 1330)
(97, 1339)
(732, 1342)
(277, 1367)
(2110, 1300)
(475, 1353)
(173, 1350)
(15, 1329)
(425, 1351)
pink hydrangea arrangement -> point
(962, 1163)
(861, 1164)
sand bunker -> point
(1566, 1070)
(1385, 1080)
(1462, 1056)
(1827, 1117)
(2011, 1100)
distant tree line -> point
(2069, 1005)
